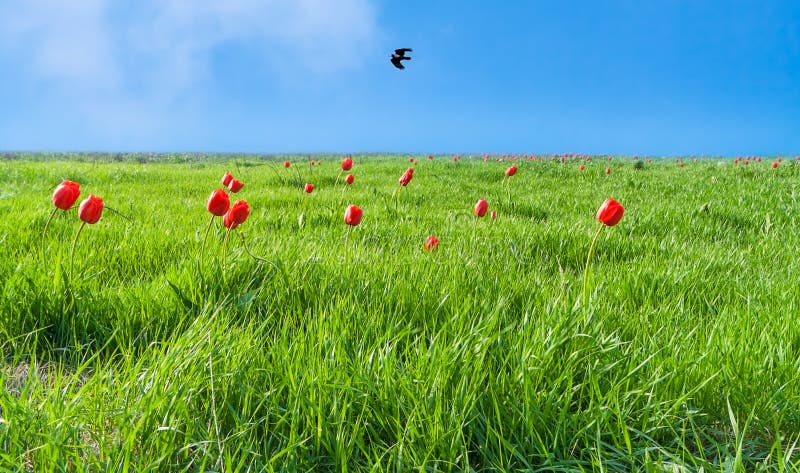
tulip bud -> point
(91, 209)
(347, 163)
(481, 207)
(218, 203)
(236, 215)
(66, 194)
(352, 215)
(610, 212)
(226, 179)
(431, 243)
(235, 185)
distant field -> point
(146, 352)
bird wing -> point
(402, 51)
(397, 63)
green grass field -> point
(146, 352)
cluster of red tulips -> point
(609, 213)
(89, 211)
(219, 205)
(65, 196)
(347, 165)
(747, 160)
(353, 213)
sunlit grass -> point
(156, 354)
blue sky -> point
(273, 76)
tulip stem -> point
(44, 232)
(225, 242)
(247, 250)
(586, 269)
(346, 239)
(118, 213)
(337, 178)
(72, 250)
(208, 229)
(301, 219)
(395, 197)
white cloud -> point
(126, 65)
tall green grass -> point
(153, 354)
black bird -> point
(400, 55)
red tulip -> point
(66, 194)
(352, 215)
(235, 185)
(347, 163)
(780, 160)
(511, 171)
(236, 215)
(493, 214)
(89, 212)
(406, 177)
(64, 198)
(775, 165)
(608, 170)
(319, 163)
(218, 203)
(286, 164)
(226, 179)
(481, 207)
(91, 209)
(610, 212)
(349, 179)
(431, 243)
(581, 167)
(308, 188)
(681, 164)
(430, 156)
(411, 160)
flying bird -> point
(400, 55)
